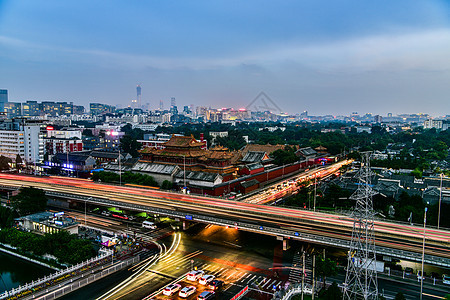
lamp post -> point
(85, 203)
(120, 171)
(440, 199)
(303, 273)
(423, 251)
(184, 171)
(315, 190)
(67, 160)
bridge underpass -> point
(261, 225)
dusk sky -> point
(326, 57)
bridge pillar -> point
(286, 244)
(185, 225)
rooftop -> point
(254, 156)
(199, 176)
(50, 219)
(154, 168)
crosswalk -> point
(231, 276)
(295, 274)
(149, 236)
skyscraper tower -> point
(361, 277)
(173, 102)
(161, 105)
(139, 94)
(3, 99)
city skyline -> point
(366, 57)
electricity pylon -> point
(361, 277)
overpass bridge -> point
(392, 239)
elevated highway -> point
(392, 239)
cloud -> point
(423, 51)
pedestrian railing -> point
(59, 275)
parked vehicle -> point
(206, 295)
(206, 279)
(187, 291)
(446, 279)
(215, 284)
(194, 275)
(148, 224)
(408, 271)
(171, 289)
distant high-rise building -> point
(99, 108)
(57, 108)
(378, 119)
(173, 102)
(174, 110)
(31, 108)
(3, 99)
(139, 96)
(78, 109)
(13, 109)
(161, 104)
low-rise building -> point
(47, 222)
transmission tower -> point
(361, 277)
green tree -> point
(5, 162)
(284, 156)
(400, 296)
(417, 173)
(7, 216)
(335, 197)
(88, 132)
(234, 140)
(19, 162)
(130, 145)
(29, 200)
(166, 185)
(325, 268)
(332, 293)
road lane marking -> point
(217, 273)
(266, 283)
(251, 279)
(241, 276)
(214, 269)
(231, 275)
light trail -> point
(392, 235)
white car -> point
(187, 291)
(194, 275)
(171, 289)
(206, 279)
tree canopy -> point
(129, 142)
(29, 200)
(5, 162)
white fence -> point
(28, 286)
(83, 281)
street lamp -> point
(184, 171)
(315, 190)
(120, 171)
(440, 200)
(90, 198)
(423, 251)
